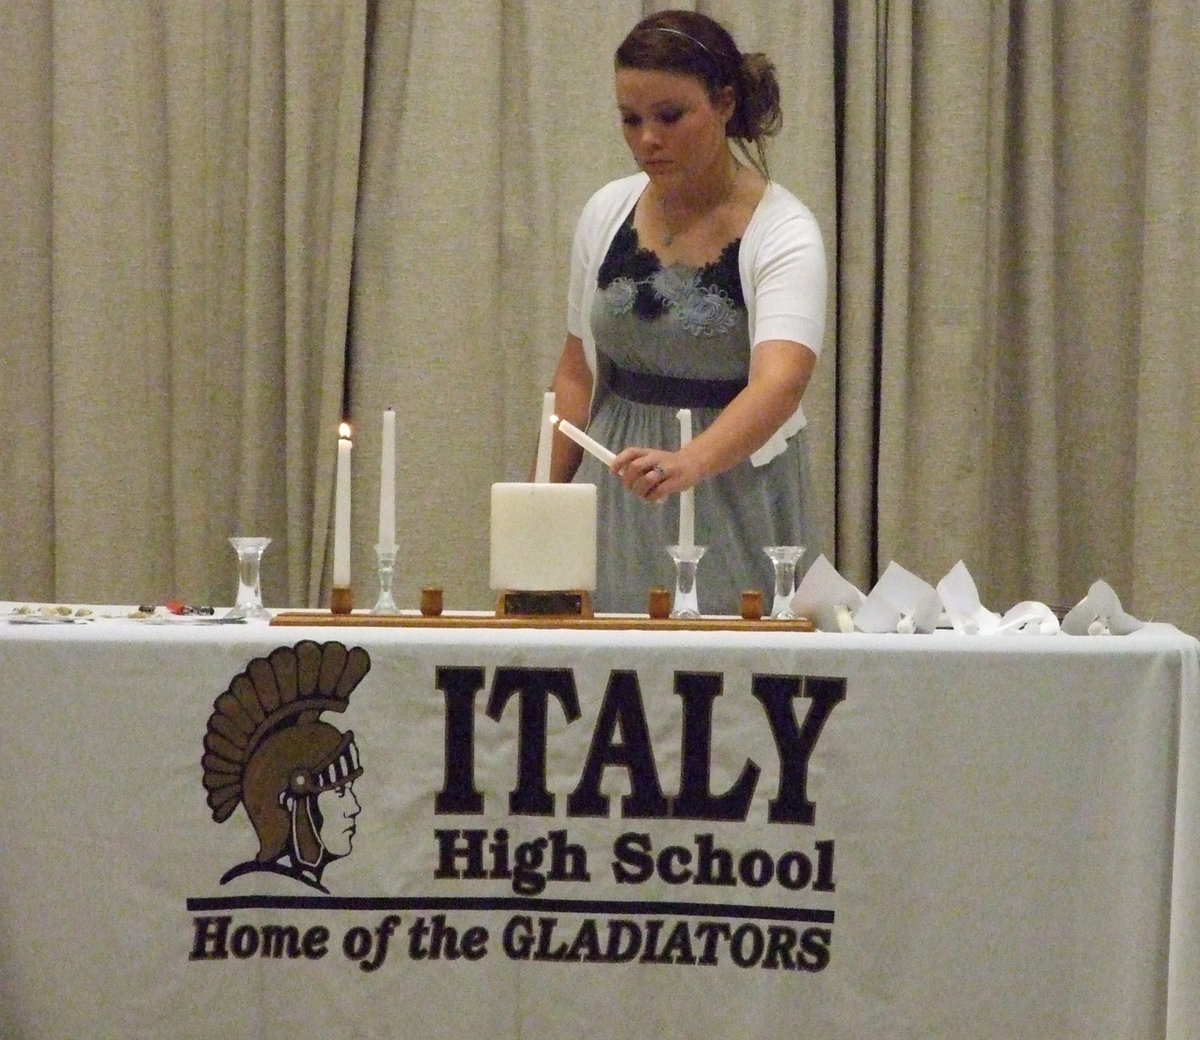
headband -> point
(679, 32)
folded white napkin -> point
(1099, 613)
(826, 598)
(902, 602)
(967, 615)
(899, 602)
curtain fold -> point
(1013, 204)
(860, 86)
(324, 93)
(26, 307)
(184, 208)
(1166, 497)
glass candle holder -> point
(686, 604)
(385, 556)
(784, 558)
(248, 603)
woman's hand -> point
(653, 474)
(779, 373)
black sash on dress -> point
(644, 388)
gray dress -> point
(668, 338)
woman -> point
(696, 283)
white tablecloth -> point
(983, 838)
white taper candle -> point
(541, 472)
(341, 519)
(687, 498)
(588, 444)
(387, 483)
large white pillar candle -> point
(541, 472)
(341, 506)
(387, 483)
(687, 499)
(543, 537)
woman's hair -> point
(691, 44)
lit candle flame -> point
(344, 431)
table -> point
(598, 834)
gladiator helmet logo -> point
(267, 748)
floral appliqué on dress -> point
(704, 300)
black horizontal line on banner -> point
(510, 903)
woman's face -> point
(672, 127)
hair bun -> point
(760, 114)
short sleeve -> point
(789, 279)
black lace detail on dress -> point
(704, 299)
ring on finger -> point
(662, 473)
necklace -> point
(669, 236)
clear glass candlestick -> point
(686, 605)
(785, 558)
(248, 603)
(386, 556)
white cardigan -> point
(781, 263)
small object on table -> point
(341, 599)
(752, 605)
(431, 601)
(174, 606)
(660, 603)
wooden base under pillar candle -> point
(564, 604)
(341, 599)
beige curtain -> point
(180, 184)
(194, 238)
(1018, 292)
